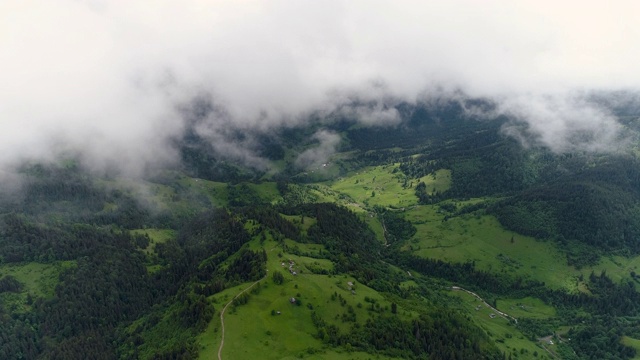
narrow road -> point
(504, 315)
(225, 309)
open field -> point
(257, 327)
(38, 279)
(267, 191)
(439, 181)
(618, 268)
(216, 192)
(506, 336)
(528, 307)
(483, 240)
(378, 185)
(303, 222)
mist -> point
(105, 81)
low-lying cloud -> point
(107, 80)
(563, 123)
(319, 155)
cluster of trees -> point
(397, 228)
(199, 160)
(9, 283)
(61, 217)
(269, 217)
(442, 333)
(598, 206)
(22, 239)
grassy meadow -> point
(483, 240)
(502, 331)
(378, 185)
(529, 308)
(258, 328)
(156, 236)
(37, 279)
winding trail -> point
(225, 309)
(504, 315)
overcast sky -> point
(104, 78)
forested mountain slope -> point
(353, 258)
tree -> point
(277, 277)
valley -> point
(457, 244)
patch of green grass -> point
(215, 191)
(255, 330)
(374, 224)
(528, 307)
(267, 191)
(503, 332)
(378, 185)
(303, 222)
(408, 284)
(155, 195)
(155, 236)
(288, 333)
(439, 181)
(312, 251)
(618, 268)
(631, 342)
(38, 279)
(483, 240)
(324, 193)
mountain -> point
(441, 236)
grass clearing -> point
(483, 240)
(503, 332)
(267, 191)
(618, 268)
(528, 307)
(302, 222)
(374, 224)
(378, 185)
(257, 330)
(438, 181)
(38, 279)
(156, 236)
(312, 252)
(216, 192)
(634, 343)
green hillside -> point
(434, 239)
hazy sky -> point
(104, 78)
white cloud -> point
(314, 157)
(104, 77)
(563, 123)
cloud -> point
(563, 123)
(316, 156)
(106, 79)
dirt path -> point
(225, 309)
(504, 315)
